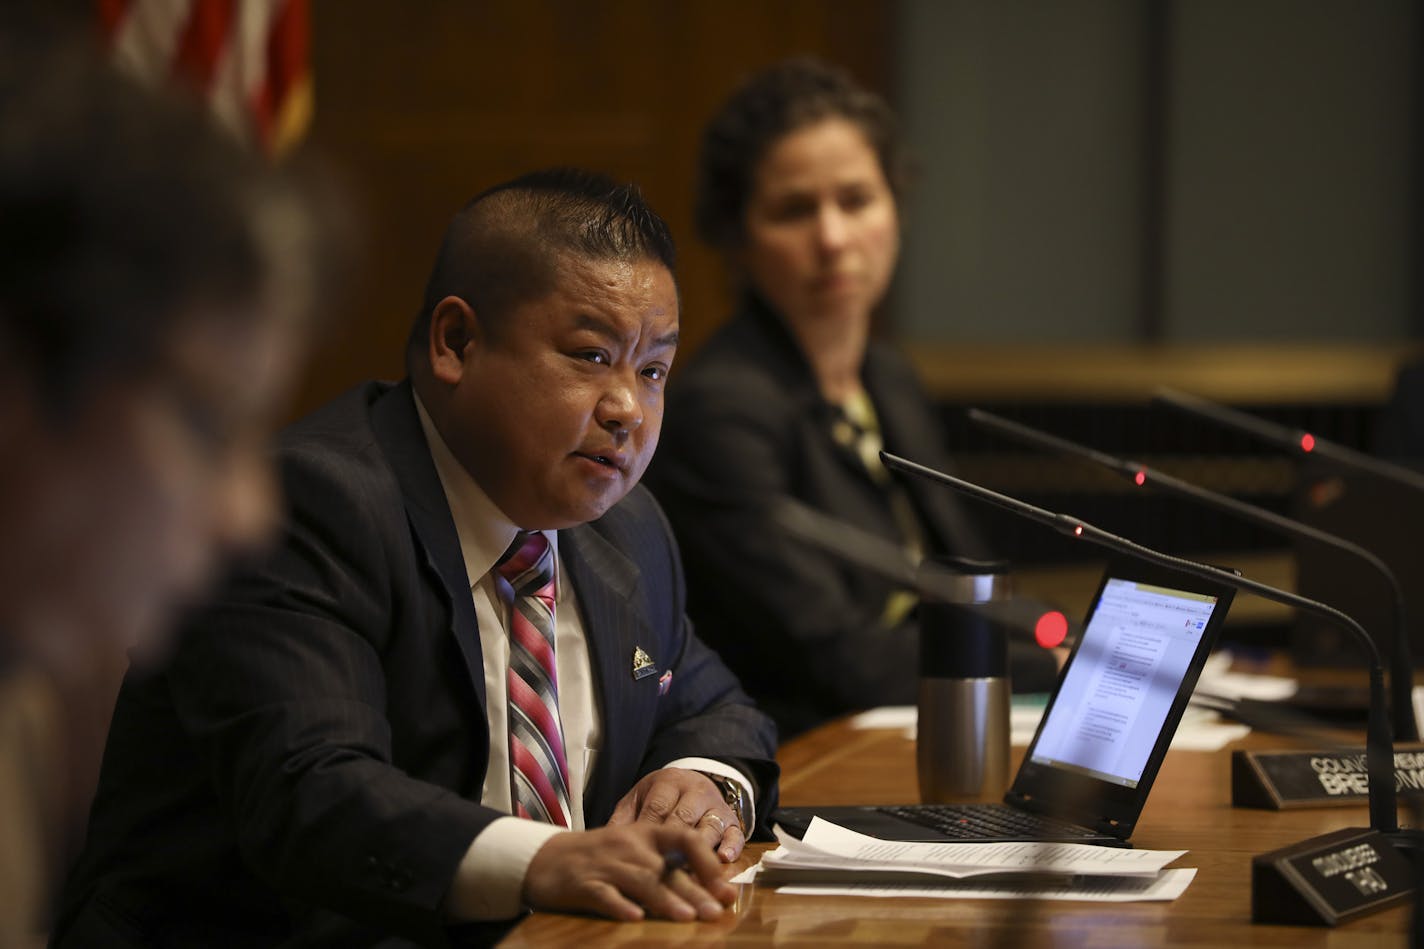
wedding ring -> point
(721, 824)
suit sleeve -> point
(282, 687)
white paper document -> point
(1218, 679)
(886, 716)
(834, 860)
(832, 851)
(1166, 886)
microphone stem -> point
(1282, 437)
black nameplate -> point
(1278, 780)
(1329, 879)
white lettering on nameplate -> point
(1343, 861)
(1348, 775)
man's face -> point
(119, 515)
(557, 409)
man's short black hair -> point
(124, 212)
(504, 247)
(779, 100)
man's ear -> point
(453, 331)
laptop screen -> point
(1114, 700)
(1121, 694)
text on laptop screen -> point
(1114, 699)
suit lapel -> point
(606, 583)
(397, 428)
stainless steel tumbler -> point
(962, 744)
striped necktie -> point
(539, 770)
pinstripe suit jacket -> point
(306, 769)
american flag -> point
(247, 58)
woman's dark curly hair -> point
(771, 104)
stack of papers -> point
(834, 860)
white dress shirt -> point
(490, 878)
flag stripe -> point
(283, 99)
(249, 59)
(144, 39)
(111, 14)
(242, 67)
(201, 43)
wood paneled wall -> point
(423, 104)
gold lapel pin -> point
(642, 664)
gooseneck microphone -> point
(930, 578)
(1401, 663)
(1298, 441)
(1379, 745)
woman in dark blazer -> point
(798, 183)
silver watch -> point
(735, 796)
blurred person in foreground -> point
(475, 616)
(154, 283)
(798, 186)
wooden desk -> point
(1190, 807)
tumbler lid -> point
(948, 579)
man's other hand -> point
(629, 872)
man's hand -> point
(677, 796)
(629, 872)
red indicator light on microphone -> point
(1307, 442)
(1078, 530)
(1140, 478)
(1051, 629)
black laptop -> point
(1104, 733)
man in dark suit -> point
(334, 751)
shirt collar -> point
(484, 530)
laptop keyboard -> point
(980, 821)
